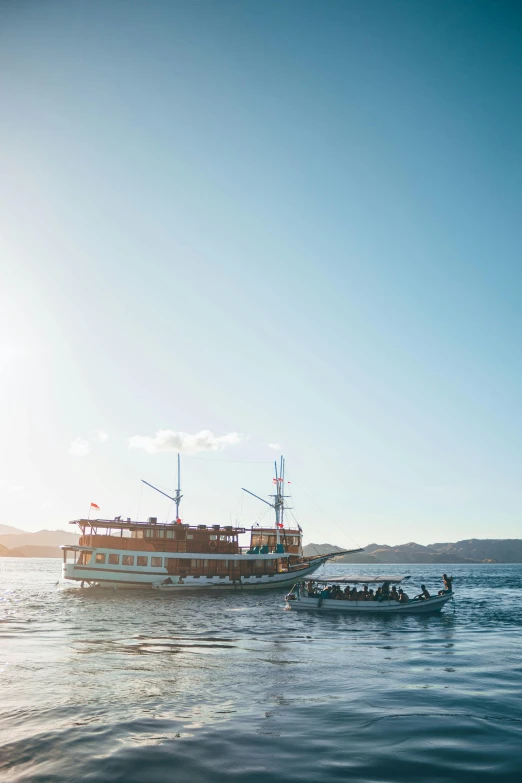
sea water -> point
(143, 687)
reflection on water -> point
(128, 686)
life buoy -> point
(212, 544)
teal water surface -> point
(139, 686)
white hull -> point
(304, 603)
(154, 577)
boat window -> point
(127, 560)
(139, 534)
(148, 533)
(160, 534)
(223, 538)
(100, 558)
(170, 534)
(142, 561)
(114, 559)
(213, 538)
(84, 558)
(156, 562)
(190, 536)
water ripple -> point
(127, 687)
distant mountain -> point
(473, 550)
(7, 529)
(4, 552)
(44, 538)
(34, 551)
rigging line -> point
(326, 515)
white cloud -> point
(79, 447)
(168, 440)
(274, 446)
(102, 436)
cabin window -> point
(138, 534)
(170, 534)
(114, 559)
(213, 538)
(155, 562)
(84, 558)
(160, 533)
(127, 560)
(148, 533)
(190, 536)
(142, 561)
(100, 558)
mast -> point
(178, 497)
(178, 491)
(279, 498)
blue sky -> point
(294, 221)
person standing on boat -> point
(448, 582)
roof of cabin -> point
(129, 524)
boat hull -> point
(304, 603)
(114, 578)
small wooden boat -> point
(326, 595)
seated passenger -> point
(403, 597)
(327, 592)
(370, 595)
(310, 588)
(448, 583)
(378, 594)
(394, 595)
(347, 591)
(424, 595)
(353, 594)
(386, 591)
(365, 592)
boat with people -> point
(341, 594)
(176, 556)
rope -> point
(294, 483)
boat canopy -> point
(359, 579)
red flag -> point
(178, 521)
(93, 505)
(279, 524)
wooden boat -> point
(312, 595)
(175, 557)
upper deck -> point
(171, 537)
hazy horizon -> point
(244, 229)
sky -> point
(242, 228)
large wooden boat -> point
(176, 556)
(317, 595)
